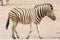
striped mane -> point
(44, 4)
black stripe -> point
(38, 14)
(11, 16)
(21, 9)
(14, 13)
(17, 10)
(41, 12)
(19, 13)
(37, 21)
(25, 15)
(22, 17)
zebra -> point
(27, 16)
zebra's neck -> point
(41, 12)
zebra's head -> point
(50, 12)
(45, 10)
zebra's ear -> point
(51, 6)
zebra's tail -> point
(7, 24)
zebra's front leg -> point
(29, 31)
(14, 30)
(38, 31)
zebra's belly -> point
(25, 22)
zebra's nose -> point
(54, 18)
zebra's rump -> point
(24, 16)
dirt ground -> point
(48, 29)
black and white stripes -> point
(24, 16)
(27, 16)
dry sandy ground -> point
(48, 28)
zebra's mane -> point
(45, 4)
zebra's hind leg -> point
(14, 30)
(16, 34)
(38, 31)
(29, 32)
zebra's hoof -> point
(27, 37)
(18, 37)
(14, 37)
(40, 37)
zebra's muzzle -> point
(53, 18)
